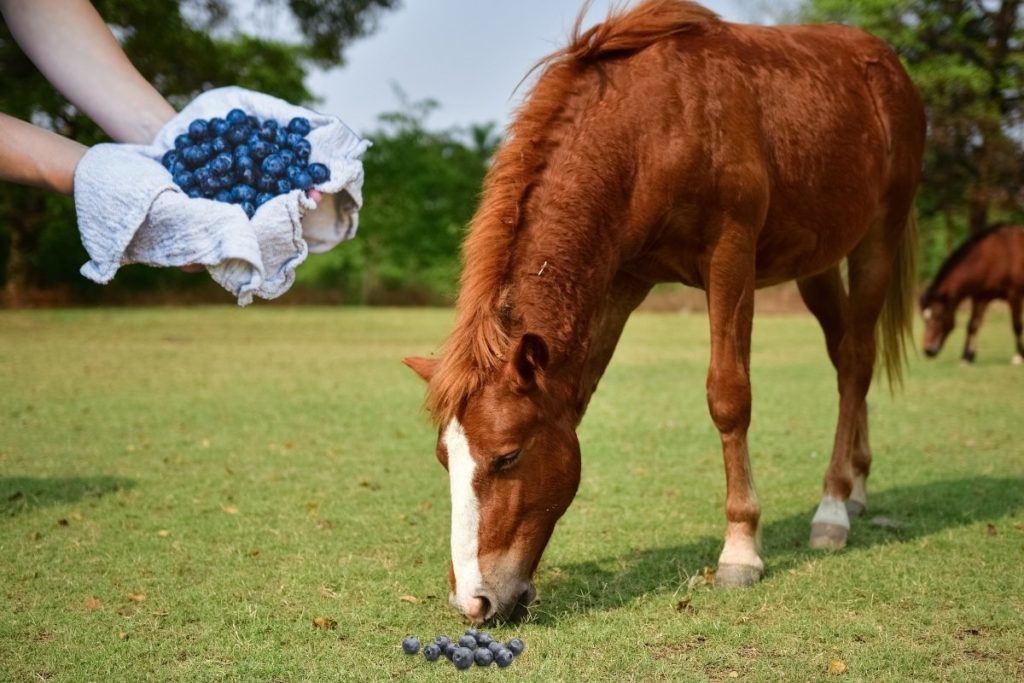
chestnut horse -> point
(666, 145)
(988, 266)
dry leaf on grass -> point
(76, 515)
(685, 606)
(409, 598)
(163, 533)
(136, 597)
(836, 666)
(92, 602)
(325, 623)
(991, 530)
(734, 674)
(230, 509)
(122, 635)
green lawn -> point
(185, 490)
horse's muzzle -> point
(487, 607)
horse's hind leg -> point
(1018, 327)
(826, 299)
(978, 307)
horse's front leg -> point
(1018, 328)
(730, 294)
(973, 325)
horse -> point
(667, 145)
(989, 265)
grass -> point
(183, 491)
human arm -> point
(72, 46)
(30, 155)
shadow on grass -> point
(24, 494)
(909, 512)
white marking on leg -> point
(831, 511)
(740, 548)
(1017, 359)
(465, 515)
(859, 492)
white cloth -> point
(130, 211)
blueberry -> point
(195, 193)
(225, 181)
(220, 145)
(182, 141)
(266, 184)
(302, 149)
(467, 641)
(431, 652)
(184, 180)
(236, 135)
(242, 193)
(273, 165)
(320, 174)
(287, 156)
(253, 122)
(222, 164)
(442, 640)
(268, 130)
(410, 645)
(223, 196)
(260, 150)
(236, 117)
(282, 186)
(169, 158)
(293, 139)
(193, 156)
(198, 130)
(303, 181)
(244, 161)
(503, 657)
(472, 631)
(483, 657)
(280, 137)
(462, 658)
(246, 176)
(449, 650)
(206, 150)
(219, 126)
(209, 185)
(249, 208)
(202, 173)
(263, 198)
(178, 167)
(240, 151)
(494, 646)
(516, 646)
(484, 639)
(299, 126)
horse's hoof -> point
(1017, 360)
(825, 536)
(737, 576)
(854, 508)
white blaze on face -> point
(465, 514)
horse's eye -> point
(503, 462)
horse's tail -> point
(897, 319)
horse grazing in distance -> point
(664, 144)
(988, 266)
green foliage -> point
(422, 188)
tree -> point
(183, 48)
(966, 58)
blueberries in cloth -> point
(236, 117)
(184, 180)
(302, 180)
(266, 184)
(273, 166)
(484, 639)
(242, 151)
(462, 658)
(268, 130)
(219, 126)
(222, 164)
(198, 130)
(293, 139)
(287, 156)
(252, 121)
(503, 657)
(516, 646)
(236, 135)
(263, 198)
(467, 641)
(249, 208)
(209, 185)
(303, 149)
(260, 149)
(223, 196)
(431, 652)
(483, 657)
(282, 186)
(169, 158)
(220, 145)
(193, 156)
(182, 141)
(411, 645)
(321, 174)
(300, 126)
(195, 193)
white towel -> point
(130, 211)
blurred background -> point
(433, 85)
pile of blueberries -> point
(473, 646)
(241, 160)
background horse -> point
(988, 266)
(666, 145)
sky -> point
(469, 55)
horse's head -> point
(939, 317)
(513, 461)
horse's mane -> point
(480, 339)
(956, 257)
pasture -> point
(184, 491)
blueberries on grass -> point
(484, 639)
(321, 174)
(442, 640)
(411, 645)
(468, 641)
(431, 652)
(503, 657)
(494, 646)
(462, 658)
(483, 657)
(449, 650)
(516, 646)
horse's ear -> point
(424, 367)
(530, 359)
